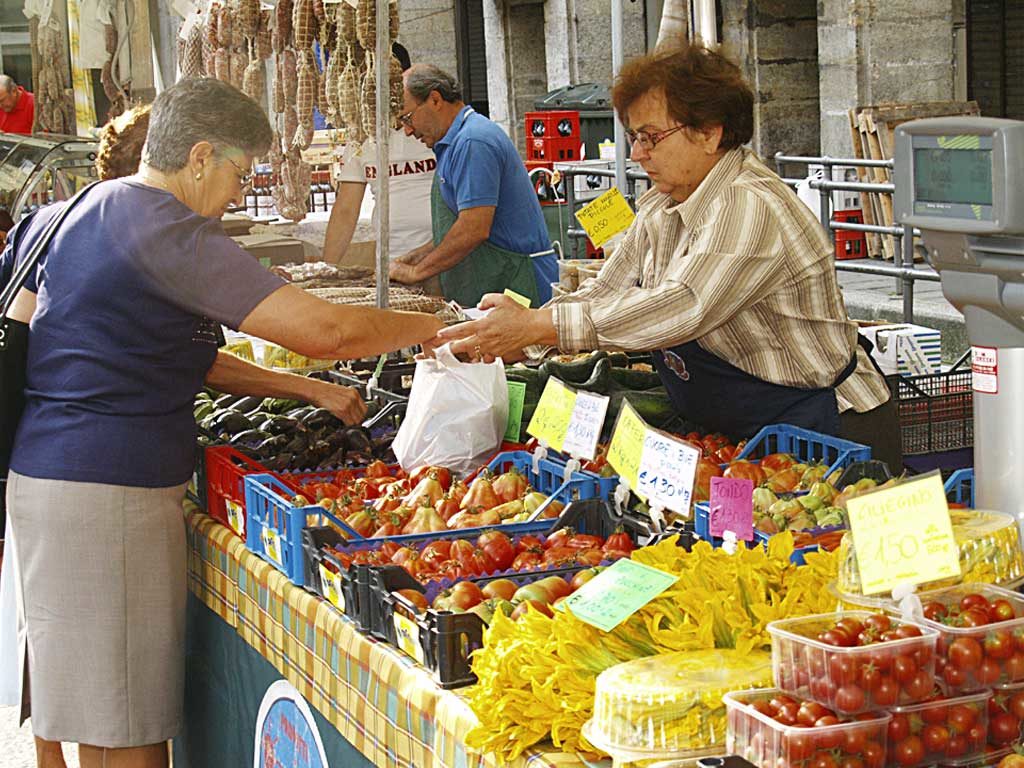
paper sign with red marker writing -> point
(732, 507)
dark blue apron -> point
(722, 398)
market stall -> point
(42, 169)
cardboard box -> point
(909, 350)
(271, 250)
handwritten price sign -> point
(569, 421)
(605, 217)
(732, 507)
(903, 535)
(658, 467)
(618, 592)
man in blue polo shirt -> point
(489, 232)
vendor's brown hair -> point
(121, 142)
(702, 89)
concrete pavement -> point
(17, 748)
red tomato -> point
(854, 740)
(1014, 667)
(998, 644)
(776, 462)
(965, 653)
(904, 669)
(957, 746)
(810, 712)
(935, 714)
(874, 755)
(498, 547)
(797, 746)
(887, 693)
(1015, 705)
(528, 542)
(961, 718)
(850, 626)
(824, 760)
(878, 622)
(869, 678)
(584, 541)
(842, 668)
(920, 685)
(436, 552)
(954, 676)
(706, 469)
(835, 637)
(908, 630)
(461, 597)
(974, 617)
(974, 600)
(935, 738)
(526, 561)
(786, 714)
(899, 727)
(988, 672)
(619, 541)
(850, 698)
(1001, 610)
(978, 735)
(741, 468)
(909, 751)
(935, 611)
(1004, 728)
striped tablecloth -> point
(379, 700)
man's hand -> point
(507, 329)
(401, 272)
(344, 402)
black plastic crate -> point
(393, 384)
(936, 410)
(440, 641)
(352, 583)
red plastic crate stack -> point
(226, 469)
(850, 245)
(553, 136)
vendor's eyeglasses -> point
(650, 139)
(244, 177)
(406, 119)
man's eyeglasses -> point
(406, 119)
(244, 176)
(650, 139)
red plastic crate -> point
(226, 469)
(553, 150)
(850, 245)
(552, 124)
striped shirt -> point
(743, 267)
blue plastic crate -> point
(760, 537)
(806, 445)
(960, 487)
(270, 515)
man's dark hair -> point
(424, 78)
(702, 89)
(203, 109)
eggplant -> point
(319, 418)
(299, 413)
(280, 462)
(254, 436)
(246, 404)
(297, 443)
(225, 401)
(279, 425)
(230, 421)
(273, 444)
(336, 459)
(358, 439)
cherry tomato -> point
(881, 660)
(904, 669)
(829, 739)
(787, 714)
(850, 626)
(935, 738)
(961, 718)
(823, 760)
(874, 755)
(878, 622)
(909, 751)
(908, 630)
(763, 707)
(989, 672)
(954, 676)
(1015, 704)
(974, 617)
(935, 611)
(779, 700)
(797, 746)
(1001, 610)
(998, 644)
(887, 693)
(1014, 667)
(850, 698)
(810, 712)
(899, 728)
(965, 653)
(854, 740)
(957, 746)
(936, 714)
(869, 678)
(973, 600)
(836, 637)
(919, 686)
(843, 669)
(851, 762)
(978, 734)
(1004, 728)
(826, 720)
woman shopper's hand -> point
(344, 402)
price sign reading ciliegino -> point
(605, 217)
(903, 535)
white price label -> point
(236, 517)
(272, 545)
(407, 633)
(666, 472)
(985, 370)
(332, 588)
(585, 425)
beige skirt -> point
(101, 610)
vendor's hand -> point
(344, 402)
(507, 329)
(401, 272)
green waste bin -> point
(594, 103)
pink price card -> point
(732, 507)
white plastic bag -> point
(456, 415)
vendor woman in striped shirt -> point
(725, 276)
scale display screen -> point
(953, 176)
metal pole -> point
(897, 259)
(908, 283)
(824, 199)
(570, 207)
(620, 136)
(383, 197)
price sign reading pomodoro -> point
(903, 535)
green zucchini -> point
(627, 378)
(576, 372)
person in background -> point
(17, 107)
(725, 276)
(489, 231)
(409, 182)
(115, 442)
(121, 140)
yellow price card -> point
(550, 421)
(627, 445)
(606, 216)
(518, 298)
(903, 535)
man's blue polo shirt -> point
(477, 165)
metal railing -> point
(902, 269)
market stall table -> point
(249, 627)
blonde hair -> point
(121, 142)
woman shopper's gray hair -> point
(203, 109)
(421, 79)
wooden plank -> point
(874, 246)
(141, 42)
(896, 113)
(875, 204)
(879, 176)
